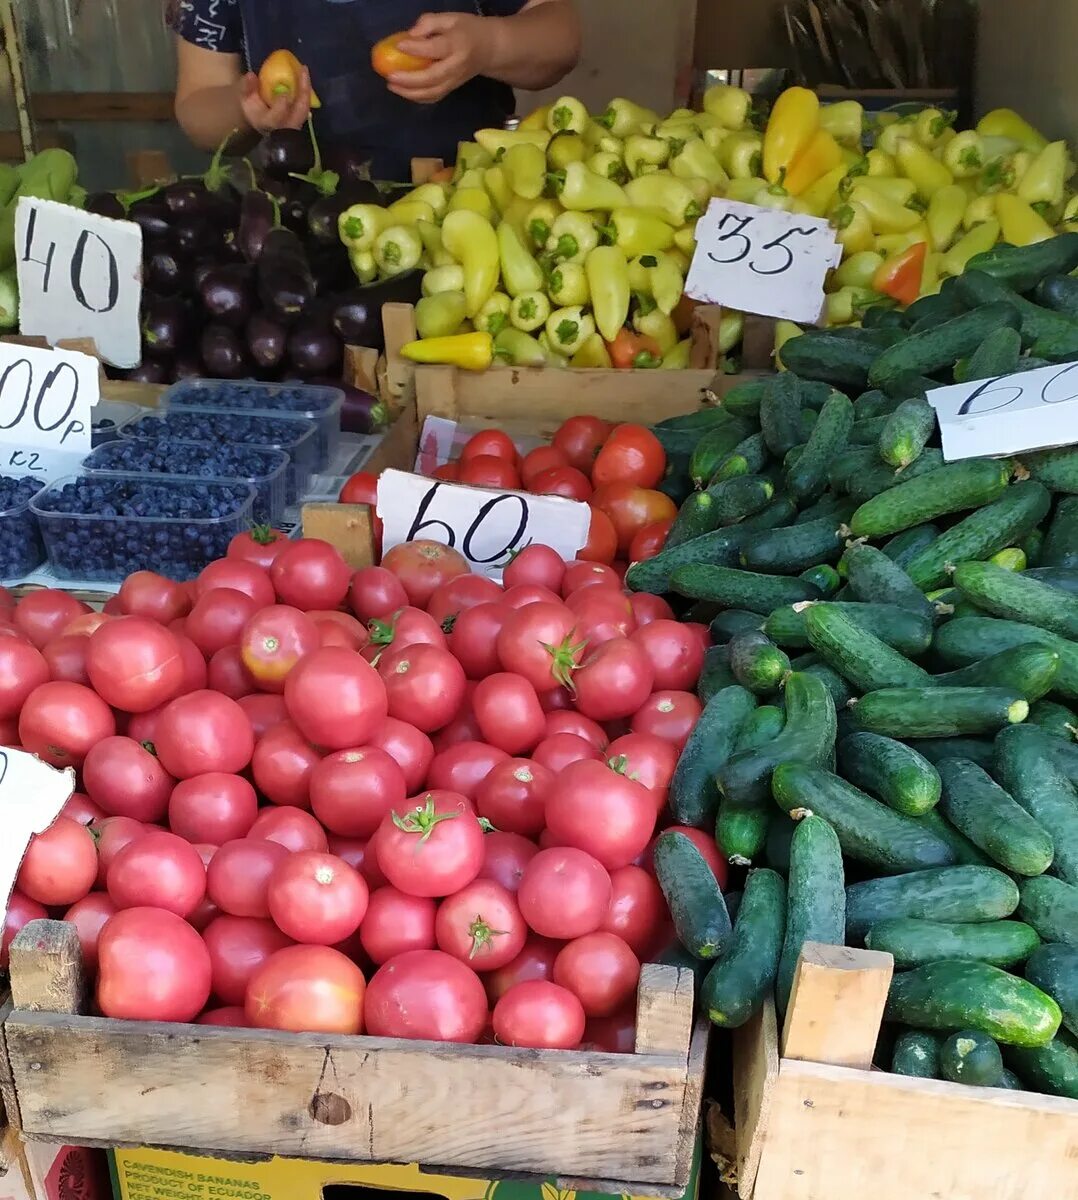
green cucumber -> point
(1055, 719)
(1059, 293)
(953, 488)
(867, 830)
(1051, 907)
(1030, 670)
(734, 621)
(965, 852)
(906, 432)
(967, 640)
(780, 511)
(875, 578)
(748, 457)
(1052, 1069)
(900, 628)
(1023, 267)
(958, 994)
(866, 661)
(824, 577)
(840, 689)
(757, 663)
(973, 1058)
(909, 385)
(882, 477)
(1060, 547)
(1052, 337)
(780, 414)
(741, 497)
(1026, 767)
(915, 943)
(695, 517)
(932, 310)
(693, 797)
(916, 1054)
(711, 449)
(1010, 595)
(1060, 577)
(738, 589)
(794, 548)
(653, 574)
(829, 435)
(767, 722)
(830, 505)
(743, 399)
(737, 985)
(851, 464)
(675, 481)
(928, 352)
(1057, 469)
(997, 355)
(1066, 756)
(701, 920)
(867, 433)
(1054, 969)
(715, 674)
(815, 900)
(892, 771)
(905, 546)
(1010, 1080)
(823, 355)
(780, 836)
(700, 421)
(912, 712)
(874, 403)
(978, 750)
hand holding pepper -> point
(279, 96)
(457, 47)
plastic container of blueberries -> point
(270, 486)
(20, 524)
(295, 436)
(117, 413)
(179, 547)
(314, 402)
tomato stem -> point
(566, 658)
(422, 819)
(482, 935)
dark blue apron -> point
(334, 38)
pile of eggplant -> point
(244, 274)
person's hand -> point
(460, 47)
(286, 112)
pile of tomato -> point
(405, 800)
(616, 469)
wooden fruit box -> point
(814, 1121)
(625, 1122)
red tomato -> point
(273, 640)
(474, 638)
(309, 574)
(42, 615)
(701, 632)
(631, 454)
(461, 593)
(226, 674)
(542, 458)
(236, 575)
(316, 898)
(239, 873)
(648, 608)
(536, 565)
(426, 995)
(602, 543)
(336, 698)
(650, 540)
(448, 472)
(89, 915)
(647, 759)
(669, 715)
(147, 594)
(411, 750)
(82, 809)
(158, 870)
(423, 566)
(396, 923)
(535, 961)
(539, 1014)
(134, 663)
(631, 508)
(489, 471)
(352, 791)
(307, 989)
(463, 767)
(463, 728)
(489, 443)
(375, 592)
(578, 725)
(282, 765)
(263, 711)
(66, 656)
(637, 908)
(238, 946)
(481, 925)
(111, 836)
(580, 439)
(614, 681)
(360, 488)
(21, 910)
(340, 629)
(611, 1035)
(513, 796)
(86, 623)
(293, 828)
(705, 843)
(405, 627)
(213, 808)
(218, 619)
(675, 653)
(564, 893)
(423, 684)
(600, 970)
(432, 849)
(561, 750)
(562, 481)
(152, 966)
(539, 642)
(508, 712)
(231, 1017)
(581, 574)
(22, 668)
(204, 731)
(259, 545)
(557, 699)
(594, 808)
(126, 780)
(602, 614)
(505, 855)
(195, 670)
(60, 722)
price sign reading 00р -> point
(1006, 414)
(761, 260)
(80, 276)
(45, 402)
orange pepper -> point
(900, 277)
(387, 59)
(630, 349)
(279, 76)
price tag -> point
(45, 402)
(763, 261)
(31, 796)
(484, 524)
(80, 275)
(1028, 411)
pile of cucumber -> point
(888, 742)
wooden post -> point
(398, 321)
(361, 368)
(706, 322)
(46, 968)
(756, 1072)
(757, 343)
(664, 1010)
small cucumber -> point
(875, 578)
(830, 505)
(866, 661)
(743, 400)
(1011, 1082)
(828, 438)
(780, 414)
(905, 546)
(840, 689)
(927, 312)
(699, 421)
(874, 403)
(1051, 1069)
(692, 894)
(1060, 547)
(1030, 670)
(1011, 595)
(1026, 767)
(738, 589)
(916, 1054)
(715, 674)
(971, 1057)
(966, 640)
(780, 511)
(900, 628)
(653, 574)
(734, 621)
(815, 900)
(780, 836)
(1051, 907)
(1023, 267)
(1060, 577)
(912, 712)
(997, 355)
(711, 449)
(953, 488)
(906, 432)
(931, 351)
(840, 361)
(748, 457)
(757, 663)
(735, 499)
(868, 432)
(794, 548)
(915, 943)
(956, 994)
(978, 750)
(882, 477)
(695, 517)
(693, 797)
(965, 852)
(760, 727)
(894, 772)
(737, 985)
(850, 465)
(824, 577)
(1055, 719)
(1054, 969)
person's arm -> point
(531, 50)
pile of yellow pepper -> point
(566, 241)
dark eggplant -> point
(185, 198)
(150, 370)
(361, 412)
(201, 269)
(226, 294)
(222, 353)
(257, 218)
(165, 323)
(285, 284)
(163, 273)
(331, 269)
(154, 219)
(222, 207)
(106, 204)
(354, 171)
(285, 152)
(190, 237)
(266, 340)
(187, 366)
(358, 315)
(313, 350)
(322, 218)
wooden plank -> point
(46, 968)
(102, 106)
(839, 1134)
(757, 343)
(398, 324)
(704, 331)
(664, 1010)
(361, 368)
(836, 1005)
(756, 1070)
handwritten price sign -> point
(45, 402)
(763, 261)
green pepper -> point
(623, 117)
(539, 220)
(572, 237)
(473, 243)
(363, 265)
(529, 311)
(493, 317)
(608, 283)
(443, 279)
(518, 349)
(565, 148)
(602, 162)
(581, 190)
(567, 114)
(440, 315)
(643, 155)
(520, 272)
(568, 285)
(360, 224)
(695, 161)
(663, 192)
(431, 237)
(397, 249)
(567, 329)
(525, 171)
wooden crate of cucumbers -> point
(889, 744)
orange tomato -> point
(387, 60)
(631, 454)
(650, 540)
(602, 543)
(630, 508)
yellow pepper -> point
(408, 212)
(741, 155)
(475, 200)
(1070, 213)
(525, 170)
(1006, 123)
(981, 209)
(659, 277)
(894, 243)
(844, 121)
(672, 197)
(540, 220)
(567, 329)
(1020, 224)
(927, 172)
(469, 155)
(472, 178)
(944, 217)
(431, 237)
(572, 237)
(685, 239)
(964, 155)
(731, 330)
(885, 214)
(1046, 178)
(581, 190)
(610, 166)
(443, 279)
(931, 125)
(568, 285)
(729, 105)
(743, 190)
(930, 276)
(517, 215)
(854, 229)
(681, 259)
(774, 196)
(553, 358)
(847, 304)
(493, 317)
(439, 315)
(518, 349)
(794, 121)
(565, 148)
(637, 231)
(469, 351)
(567, 114)
(714, 138)
(623, 117)
(980, 238)
(536, 119)
(902, 129)
(695, 161)
(656, 324)
(495, 141)
(592, 355)
(859, 269)
(360, 224)
(520, 272)
(608, 282)
(644, 155)
(472, 241)
(433, 194)
(785, 331)
(363, 265)
(496, 184)
(820, 156)
(679, 358)
(881, 164)
(529, 311)
(1020, 163)
(901, 191)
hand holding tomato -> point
(443, 51)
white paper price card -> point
(1028, 411)
(80, 275)
(45, 402)
(486, 525)
(761, 260)
(31, 796)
